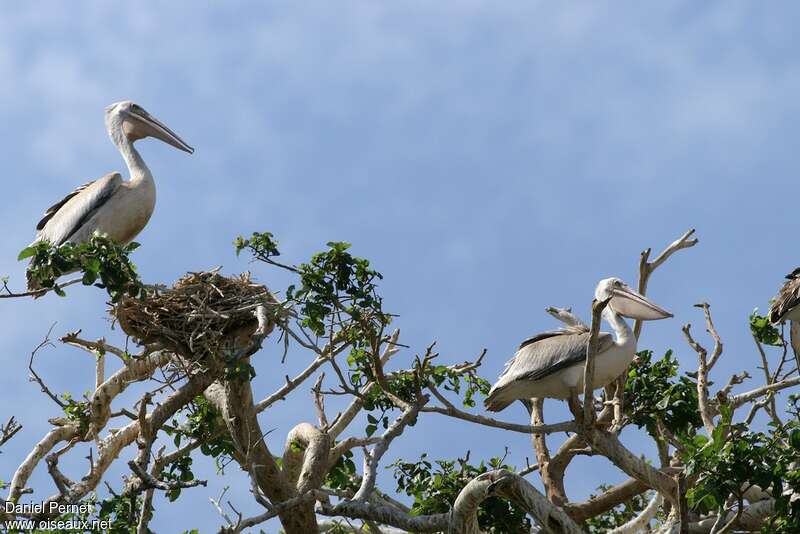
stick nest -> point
(203, 313)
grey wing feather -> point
(788, 297)
(571, 329)
(551, 353)
(64, 218)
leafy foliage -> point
(336, 297)
(736, 458)
(435, 486)
(337, 283)
(238, 369)
(655, 394)
(403, 384)
(77, 411)
(785, 465)
(120, 511)
(343, 474)
(98, 259)
(764, 331)
(202, 422)
(178, 471)
(262, 246)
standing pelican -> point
(109, 205)
(551, 364)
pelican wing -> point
(63, 219)
(571, 329)
(551, 352)
(788, 297)
(539, 357)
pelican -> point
(551, 364)
(109, 205)
(785, 305)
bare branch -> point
(588, 368)
(319, 401)
(464, 518)
(110, 447)
(96, 347)
(450, 410)
(609, 445)
(135, 370)
(551, 473)
(702, 380)
(23, 472)
(386, 515)
(305, 458)
(639, 522)
(646, 267)
(717, 350)
(739, 400)
(291, 384)
(348, 444)
(9, 430)
(614, 496)
(306, 498)
(35, 377)
(149, 481)
(8, 294)
(373, 457)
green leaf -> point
(26, 252)
(794, 438)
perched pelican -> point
(551, 364)
(785, 304)
(109, 205)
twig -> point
(35, 377)
(96, 347)
(9, 430)
(37, 292)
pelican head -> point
(130, 120)
(627, 302)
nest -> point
(202, 314)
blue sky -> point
(490, 159)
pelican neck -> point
(137, 168)
(620, 326)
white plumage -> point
(109, 205)
(551, 364)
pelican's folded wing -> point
(550, 354)
(63, 219)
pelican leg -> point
(794, 340)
